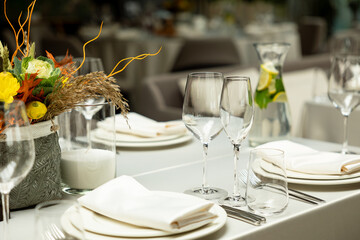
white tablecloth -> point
(179, 168)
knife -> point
(245, 216)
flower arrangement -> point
(48, 87)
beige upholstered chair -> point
(160, 97)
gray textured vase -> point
(44, 180)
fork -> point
(292, 192)
(54, 233)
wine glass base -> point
(233, 201)
(208, 193)
(347, 152)
(74, 191)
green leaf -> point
(17, 68)
(47, 90)
(56, 73)
(279, 85)
(25, 63)
(262, 98)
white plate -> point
(123, 137)
(131, 231)
(179, 139)
(299, 175)
(313, 179)
(324, 181)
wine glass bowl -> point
(17, 151)
(92, 105)
(237, 113)
(344, 88)
(201, 116)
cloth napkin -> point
(126, 200)
(304, 159)
(144, 127)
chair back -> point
(206, 53)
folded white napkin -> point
(304, 159)
(145, 127)
(126, 200)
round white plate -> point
(131, 231)
(324, 181)
(299, 175)
(179, 139)
(123, 137)
(314, 179)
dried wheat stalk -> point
(77, 89)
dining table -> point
(177, 167)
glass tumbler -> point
(267, 187)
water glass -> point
(267, 188)
(88, 152)
(55, 219)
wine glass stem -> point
(88, 130)
(345, 143)
(236, 191)
(5, 209)
(205, 186)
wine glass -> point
(344, 88)
(237, 114)
(17, 151)
(202, 117)
(92, 105)
(88, 109)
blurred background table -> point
(116, 43)
(322, 121)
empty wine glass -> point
(344, 88)
(202, 117)
(17, 151)
(92, 105)
(237, 113)
(88, 109)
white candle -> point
(87, 168)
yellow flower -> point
(9, 86)
(35, 109)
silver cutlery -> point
(54, 233)
(245, 216)
(304, 197)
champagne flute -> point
(17, 152)
(202, 117)
(237, 114)
(344, 88)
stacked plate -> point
(305, 165)
(140, 131)
(98, 227)
(322, 179)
